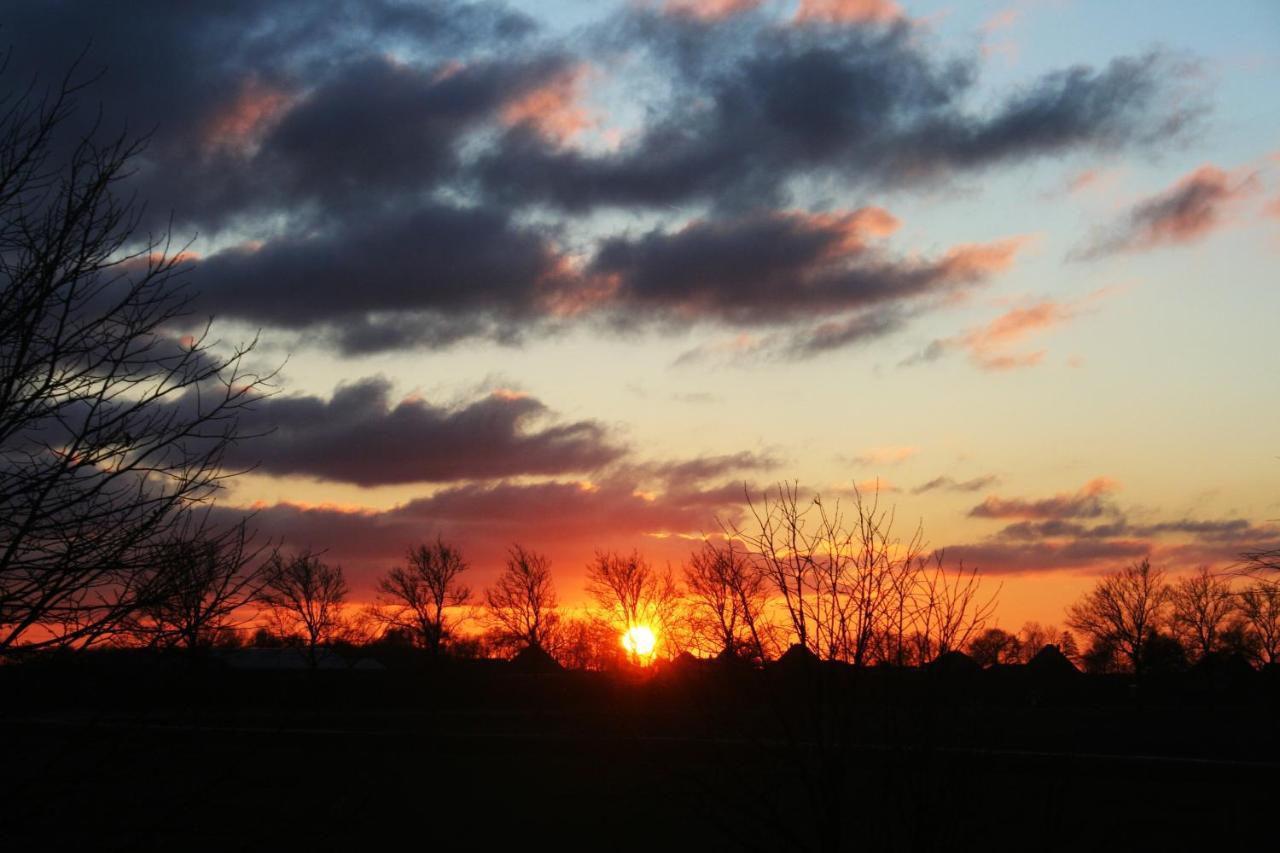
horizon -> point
(572, 275)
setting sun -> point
(639, 640)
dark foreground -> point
(148, 757)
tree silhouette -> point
(850, 588)
(727, 595)
(629, 593)
(1123, 611)
(994, 646)
(305, 596)
(111, 426)
(204, 582)
(417, 595)
(522, 601)
(1260, 607)
(1200, 606)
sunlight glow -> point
(639, 640)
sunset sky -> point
(569, 273)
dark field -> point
(476, 757)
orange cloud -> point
(988, 346)
(974, 260)
(238, 125)
(554, 108)
(709, 10)
(854, 227)
(847, 11)
(1088, 502)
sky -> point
(581, 275)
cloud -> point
(360, 436)
(1089, 502)
(950, 484)
(567, 519)
(847, 11)
(1087, 531)
(1197, 205)
(998, 558)
(709, 10)
(989, 346)
(773, 267)
(870, 107)
(389, 175)
(554, 107)
(885, 456)
(390, 279)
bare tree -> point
(204, 582)
(305, 596)
(1123, 612)
(1032, 637)
(630, 594)
(949, 607)
(727, 594)
(850, 588)
(417, 596)
(522, 602)
(111, 426)
(1200, 606)
(1260, 607)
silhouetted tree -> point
(1032, 637)
(204, 581)
(629, 593)
(417, 596)
(850, 588)
(522, 601)
(1069, 647)
(1123, 611)
(1200, 606)
(1260, 607)
(305, 596)
(994, 646)
(111, 427)
(727, 596)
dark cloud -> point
(998, 558)
(1088, 530)
(380, 165)
(950, 484)
(429, 271)
(360, 436)
(869, 105)
(772, 267)
(1189, 211)
(259, 106)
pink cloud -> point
(847, 11)
(709, 10)
(1197, 205)
(554, 108)
(1088, 502)
(974, 260)
(237, 126)
(988, 346)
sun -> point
(639, 640)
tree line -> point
(115, 423)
